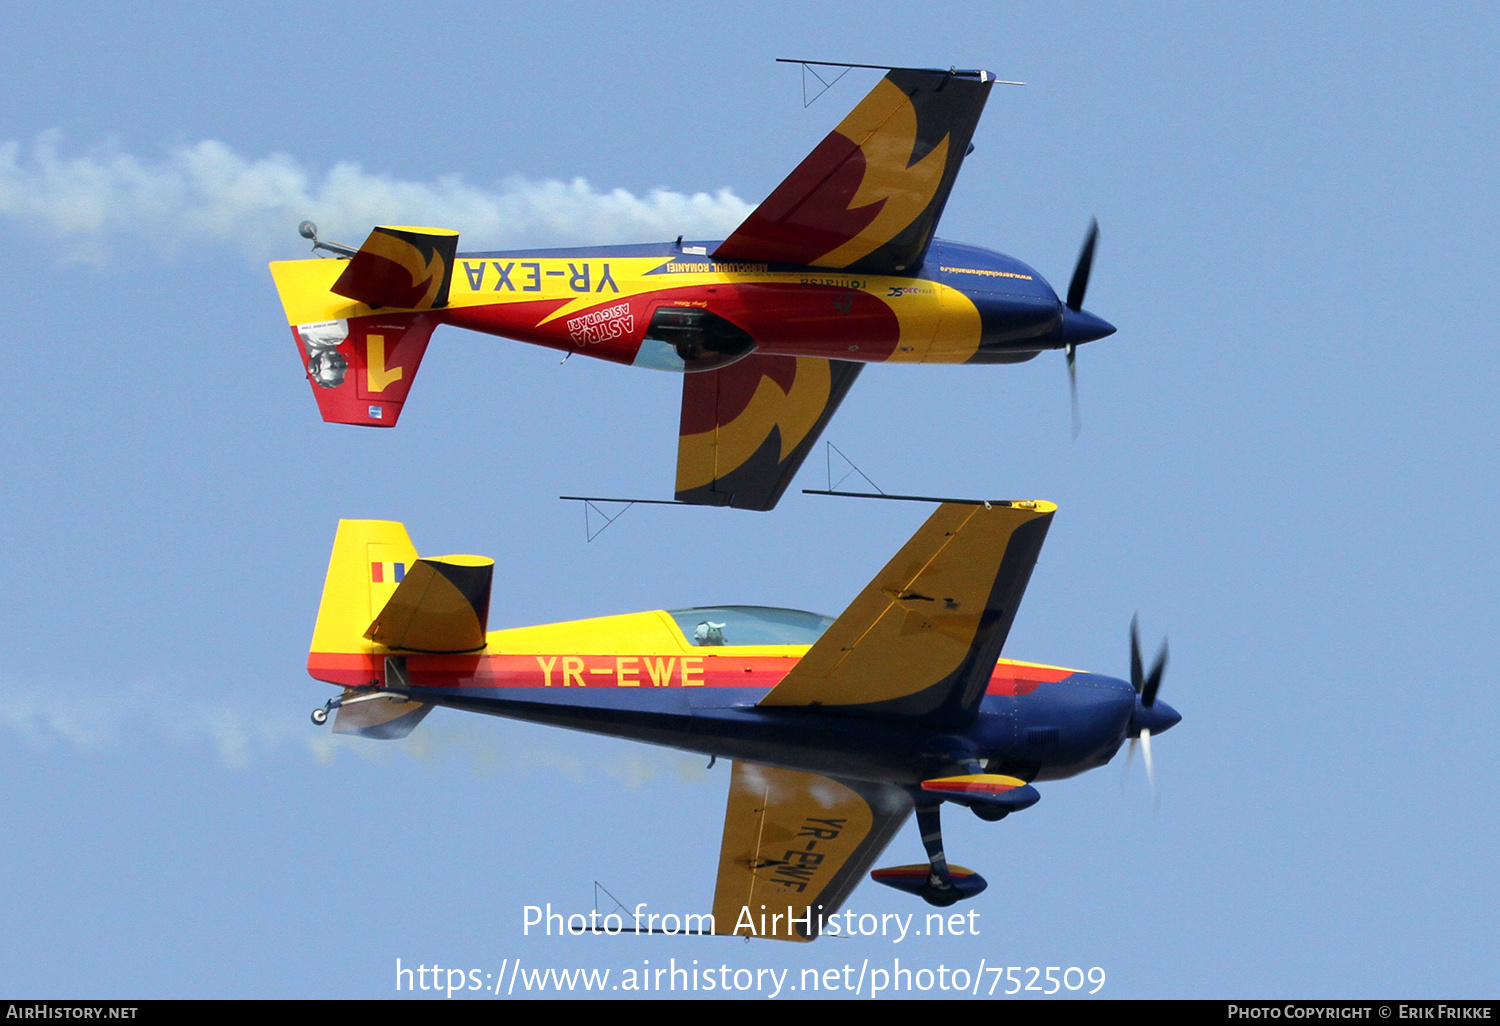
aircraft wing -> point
(868, 198)
(921, 641)
(747, 427)
(795, 846)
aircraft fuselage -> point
(966, 305)
(1034, 722)
(669, 306)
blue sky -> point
(1287, 465)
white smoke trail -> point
(240, 735)
(102, 202)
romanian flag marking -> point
(387, 573)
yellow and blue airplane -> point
(837, 268)
(839, 728)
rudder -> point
(362, 324)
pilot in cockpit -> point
(709, 633)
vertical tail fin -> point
(362, 325)
(370, 558)
(378, 597)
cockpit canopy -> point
(711, 626)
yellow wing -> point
(747, 427)
(922, 639)
(869, 197)
(795, 845)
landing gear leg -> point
(944, 886)
(930, 823)
(935, 883)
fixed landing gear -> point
(320, 714)
(395, 670)
(936, 883)
(944, 887)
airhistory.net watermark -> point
(537, 921)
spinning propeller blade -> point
(1146, 751)
(1080, 283)
(1146, 686)
(1076, 290)
(1072, 353)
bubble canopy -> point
(711, 626)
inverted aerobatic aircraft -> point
(837, 268)
(839, 728)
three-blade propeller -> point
(1146, 686)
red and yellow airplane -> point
(839, 728)
(836, 269)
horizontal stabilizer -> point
(378, 716)
(441, 605)
(986, 788)
(401, 267)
